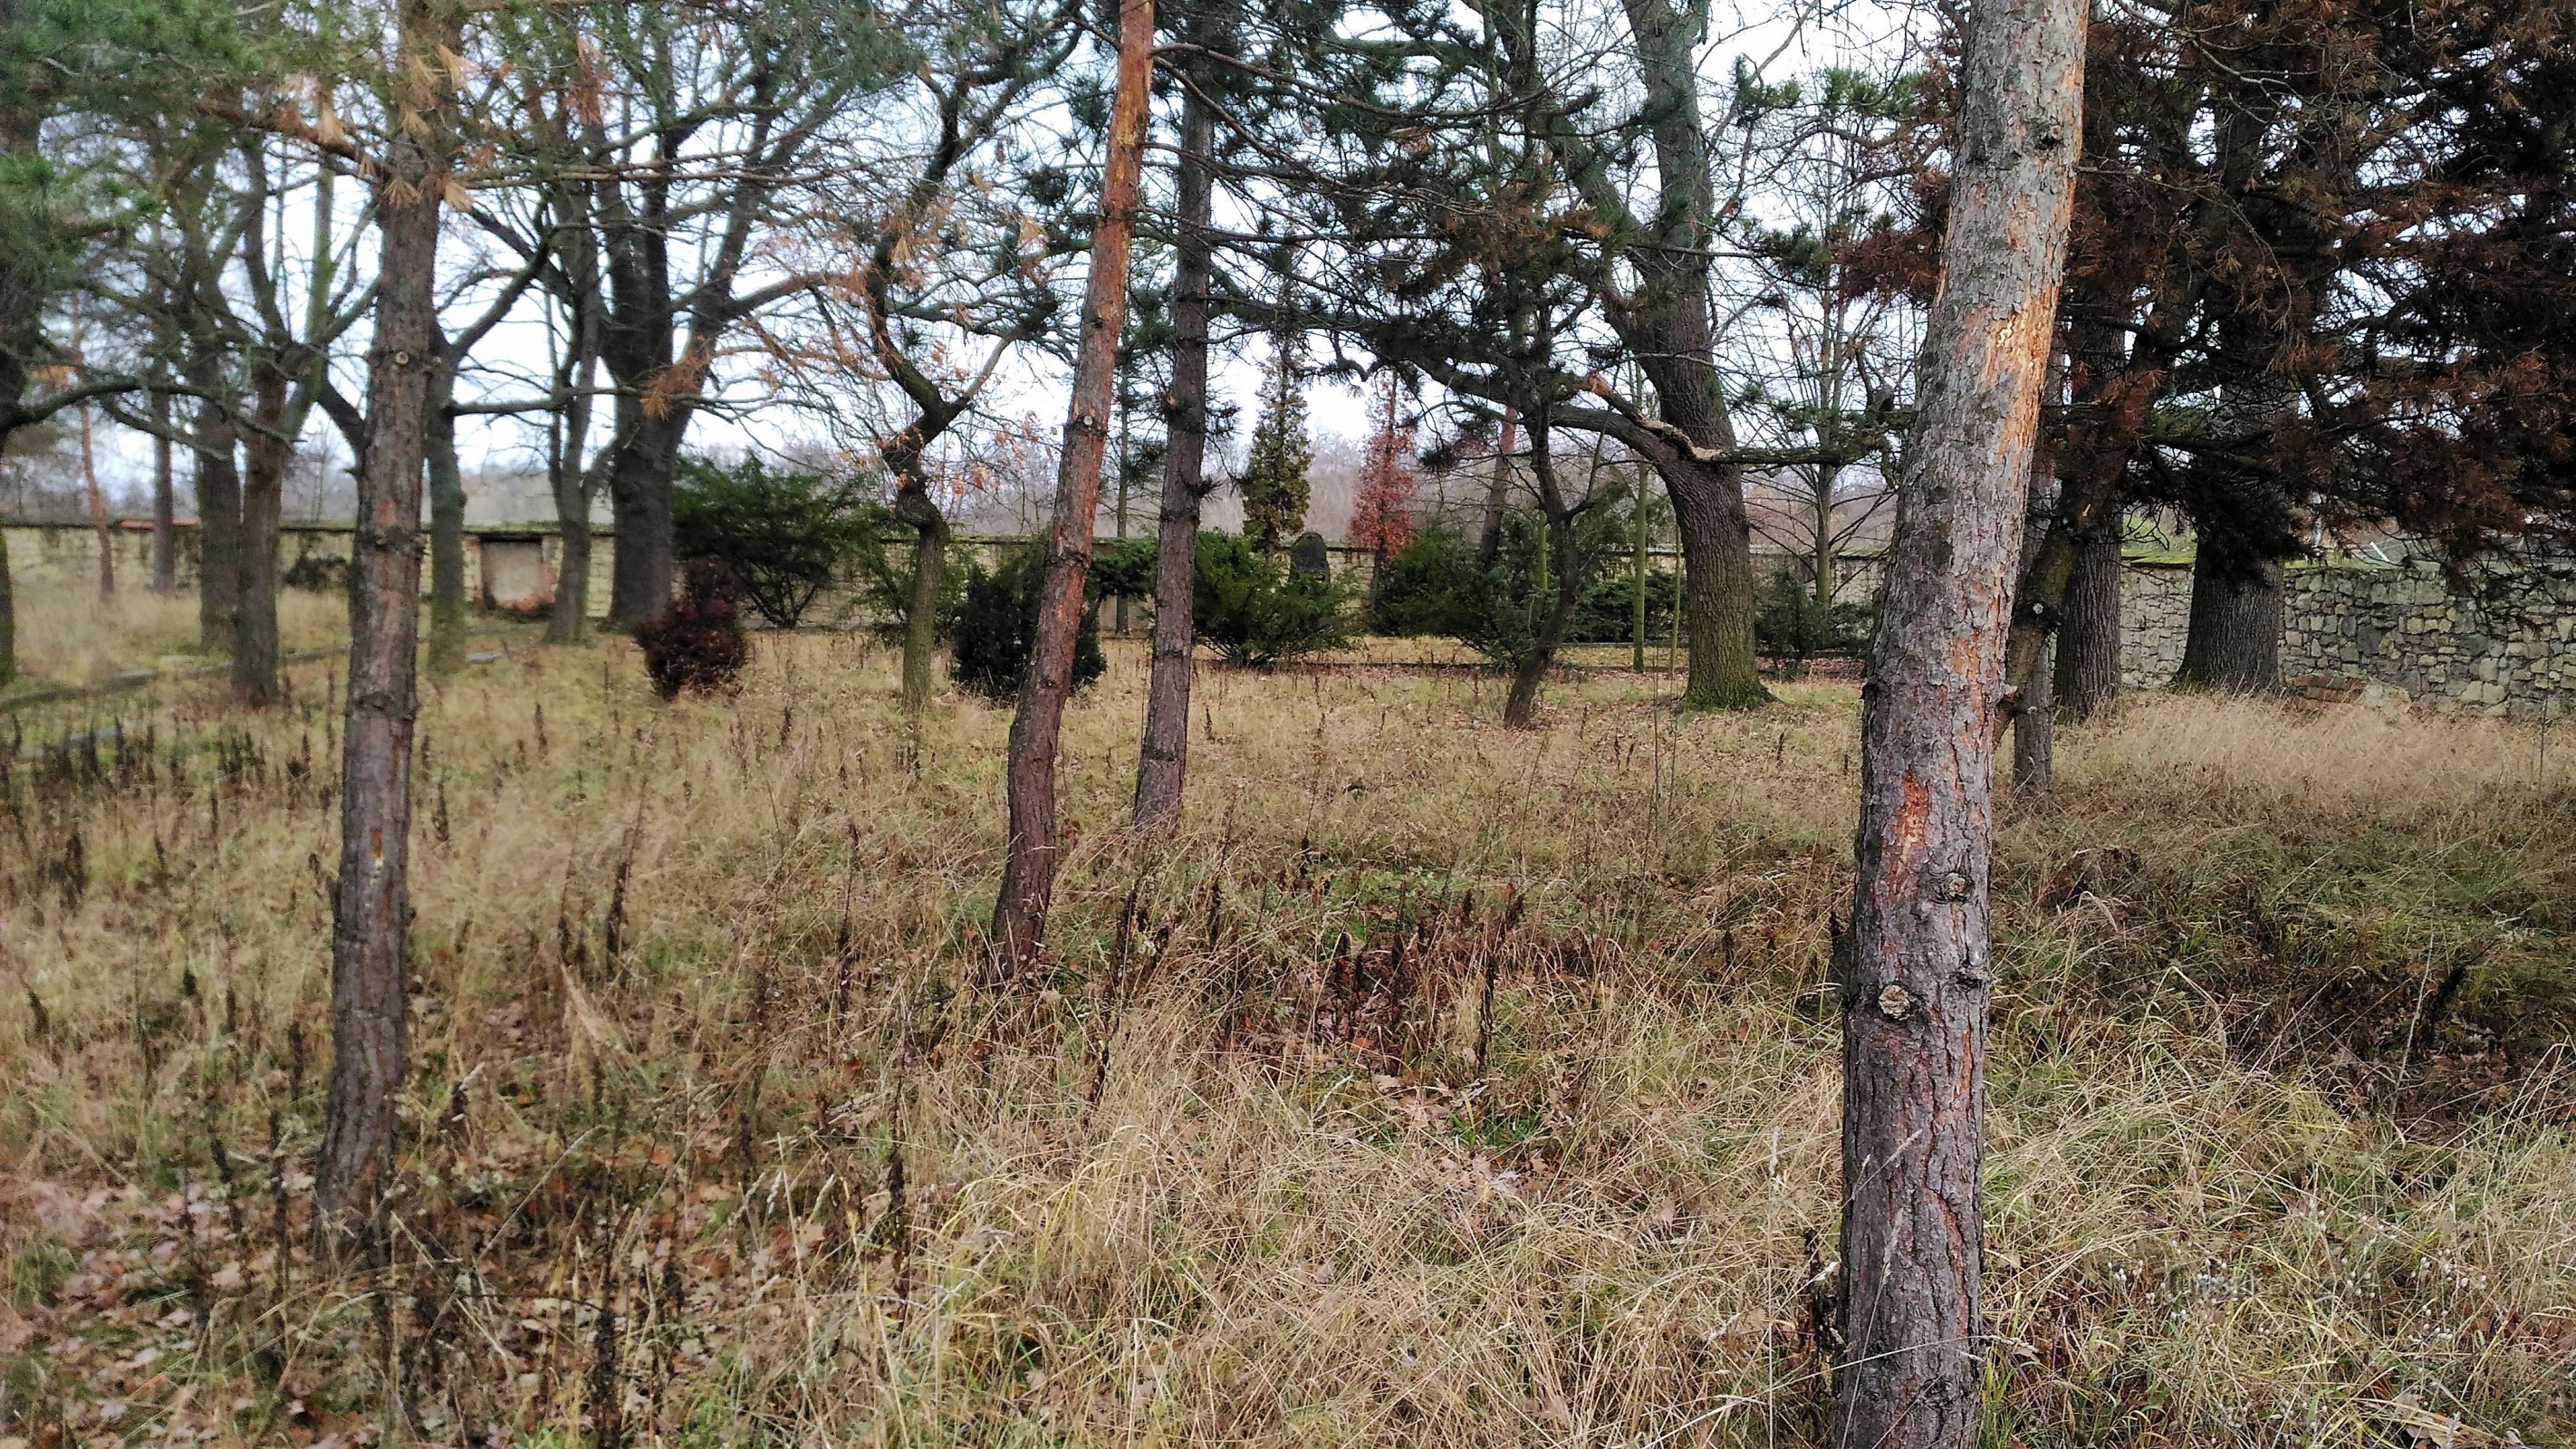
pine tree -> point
(1275, 489)
(1382, 519)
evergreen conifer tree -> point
(1275, 488)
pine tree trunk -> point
(1718, 588)
(2029, 696)
(371, 904)
(2233, 642)
(265, 455)
(218, 488)
(1918, 962)
(2088, 629)
(446, 532)
(1028, 870)
(1520, 706)
(98, 520)
(1163, 758)
(2035, 731)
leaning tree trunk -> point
(1918, 963)
(371, 904)
(2233, 642)
(1498, 488)
(446, 531)
(914, 507)
(263, 513)
(1028, 871)
(1163, 759)
(2088, 628)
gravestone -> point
(1309, 556)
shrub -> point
(1794, 626)
(1500, 608)
(696, 645)
(1425, 587)
(1255, 612)
(1608, 615)
(997, 626)
(1122, 567)
(783, 535)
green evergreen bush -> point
(783, 535)
(1255, 613)
(997, 627)
(1793, 625)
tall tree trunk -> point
(165, 503)
(1028, 871)
(1520, 706)
(446, 531)
(2029, 698)
(639, 491)
(371, 904)
(265, 456)
(2233, 642)
(1163, 758)
(1718, 587)
(2088, 627)
(914, 507)
(573, 483)
(8, 610)
(218, 489)
(1917, 962)
(1820, 566)
(1666, 323)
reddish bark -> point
(1163, 760)
(1028, 870)
(1918, 962)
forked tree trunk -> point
(2088, 628)
(1163, 760)
(371, 905)
(1028, 870)
(1918, 964)
(2233, 642)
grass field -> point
(1440, 1085)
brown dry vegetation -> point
(1441, 1084)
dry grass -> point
(1257, 1165)
(66, 636)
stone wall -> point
(2401, 628)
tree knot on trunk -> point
(1894, 1003)
(1955, 886)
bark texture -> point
(446, 529)
(2088, 629)
(1028, 870)
(218, 488)
(1917, 965)
(371, 905)
(265, 453)
(165, 504)
(1163, 759)
(2234, 640)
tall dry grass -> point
(67, 635)
(1440, 1084)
